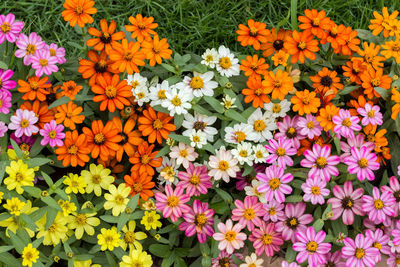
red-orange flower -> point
(255, 34)
(372, 79)
(106, 38)
(155, 125)
(94, 66)
(141, 27)
(70, 89)
(144, 159)
(156, 49)
(41, 110)
(130, 138)
(69, 114)
(256, 92)
(111, 92)
(140, 184)
(352, 43)
(315, 22)
(35, 88)
(326, 83)
(126, 56)
(275, 42)
(74, 151)
(253, 66)
(301, 45)
(78, 11)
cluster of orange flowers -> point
(287, 50)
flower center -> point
(292, 222)
(195, 180)
(53, 134)
(223, 165)
(278, 44)
(378, 204)
(43, 62)
(266, 239)
(176, 101)
(310, 125)
(106, 38)
(157, 124)
(253, 31)
(110, 91)
(377, 245)
(141, 26)
(272, 211)
(173, 201)
(321, 162)
(362, 163)
(274, 183)
(145, 159)
(101, 66)
(371, 113)
(360, 253)
(209, 58)
(137, 187)
(129, 237)
(280, 152)
(225, 62)
(197, 83)
(73, 150)
(79, 10)
(29, 256)
(315, 22)
(346, 122)
(96, 179)
(24, 123)
(5, 27)
(81, 219)
(161, 94)
(302, 45)
(52, 228)
(99, 139)
(199, 125)
(249, 214)
(315, 190)
(30, 49)
(119, 199)
(24, 147)
(240, 136)
(200, 220)
(128, 56)
(243, 153)
(291, 132)
(326, 81)
(259, 154)
(312, 246)
(277, 84)
(396, 47)
(259, 125)
(52, 52)
(376, 82)
(276, 108)
(230, 236)
(347, 203)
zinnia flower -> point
(24, 123)
(360, 251)
(371, 115)
(280, 152)
(309, 126)
(155, 125)
(362, 162)
(223, 165)
(230, 238)
(144, 159)
(9, 28)
(378, 206)
(314, 190)
(346, 124)
(74, 151)
(52, 134)
(141, 27)
(274, 183)
(266, 239)
(106, 38)
(43, 63)
(156, 50)
(195, 180)
(172, 203)
(78, 11)
(28, 47)
(248, 212)
(127, 56)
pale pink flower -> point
(362, 162)
(223, 165)
(346, 124)
(183, 154)
(274, 211)
(309, 126)
(274, 183)
(292, 264)
(230, 238)
(394, 259)
(280, 152)
(266, 239)
(9, 28)
(371, 115)
(3, 128)
(172, 203)
(359, 252)
(52, 134)
(248, 212)
(379, 206)
(333, 259)
(24, 123)
(57, 52)
(42, 62)
(289, 130)
(314, 190)
(28, 46)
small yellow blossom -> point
(75, 184)
(117, 199)
(108, 239)
(150, 220)
(19, 175)
(29, 255)
(97, 178)
(14, 205)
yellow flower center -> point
(81, 219)
(276, 108)
(145, 159)
(110, 91)
(5, 27)
(30, 49)
(140, 95)
(259, 154)
(362, 163)
(176, 101)
(360, 253)
(99, 138)
(225, 62)
(312, 246)
(119, 199)
(73, 150)
(161, 94)
(209, 58)
(253, 31)
(43, 62)
(183, 153)
(310, 125)
(397, 260)
(24, 147)
(315, 22)
(272, 211)
(52, 228)
(96, 179)
(240, 136)
(197, 83)
(302, 45)
(377, 245)
(137, 187)
(277, 84)
(321, 162)
(195, 180)
(129, 237)
(274, 183)
(266, 239)
(376, 82)
(293, 222)
(200, 220)
(315, 190)
(19, 177)
(259, 125)
(378, 204)
(53, 134)
(196, 138)
(230, 236)
(280, 152)
(223, 165)
(346, 122)
(173, 201)
(249, 214)
(371, 114)
(24, 123)
(134, 84)
(157, 124)
(128, 56)
(79, 10)
(243, 153)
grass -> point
(189, 25)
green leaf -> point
(234, 115)
(59, 102)
(326, 211)
(35, 162)
(159, 250)
(73, 44)
(3, 65)
(17, 242)
(224, 195)
(180, 138)
(16, 148)
(201, 110)
(318, 224)
(50, 217)
(28, 220)
(133, 202)
(164, 151)
(293, 14)
(169, 68)
(9, 260)
(47, 178)
(5, 248)
(3, 165)
(109, 218)
(178, 120)
(384, 93)
(33, 191)
(51, 202)
(214, 103)
(290, 254)
(122, 220)
(347, 90)
(294, 199)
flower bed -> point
(138, 156)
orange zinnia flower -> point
(141, 27)
(156, 49)
(280, 58)
(129, 111)
(370, 55)
(102, 140)
(275, 42)
(35, 88)
(377, 137)
(70, 89)
(353, 70)
(371, 79)
(111, 92)
(106, 38)
(359, 103)
(255, 34)
(305, 102)
(155, 125)
(41, 110)
(335, 35)
(256, 92)
(315, 22)
(380, 22)
(144, 159)
(78, 11)
(126, 56)
(74, 151)
(253, 66)
(140, 184)
(352, 43)
(307, 144)
(326, 82)
(69, 114)
(280, 84)
(396, 107)
(130, 138)
(325, 116)
(94, 66)
(301, 45)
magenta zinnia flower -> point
(230, 237)
(248, 213)
(274, 211)
(28, 47)
(371, 115)
(52, 134)
(198, 220)
(346, 202)
(23, 122)
(172, 204)
(380, 241)
(24, 142)
(346, 124)
(9, 28)
(280, 152)
(42, 62)
(5, 102)
(225, 259)
(334, 259)
(3, 128)
(5, 83)
(357, 142)
(311, 247)
(314, 190)
(243, 181)
(359, 252)
(362, 162)
(57, 52)
(266, 239)
(195, 180)
(295, 221)
(394, 187)
(321, 162)
(274, 183)
(309, 126)
(379, 206)
(289, 130)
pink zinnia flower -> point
(274, 183)
(289, 130)
(23, 122)
(394, 187)
(24, 142)
(274, 211)
(9, 28)
(334, 259)
(394, 260)
(5, 83)
(230, 237)
(309, 126)
(223, 165)
(295, 221)
(362, 162)
(357, 142)
(5, 102)
(346, 202)
(266, 239)
(195, 180)
(292, 264)
(314, 190)
(311, 247)
(225, 259)
(198, 220)
(387, 226)
(380, 241)
(183, 154)
(396, 234)
(42, 62)
(346, 124)
(280, 152)
(52, 134)
(172, 204)
(321, 162)
(3, 128)
(379, 206)
(248, 213)
(28, 47)
(371, 115)
(359, 252)
(57, 52)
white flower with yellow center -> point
(168, 171)
(260, 153)
(252, 261)
(228, 102)
(136, 81)
(262, 125)
(117, 199)
(157, 93)
(227, 64)
(178, 101)
(201, 123)
(199, 84)
(223, 165)
(278, 109)
(252, 191)
(239, 133)
(210, 58)
(141, 95)
(198, 138)
(244, 153)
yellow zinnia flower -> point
(82, 222)
(1, 196)
(19, 175)
(67, 206)
(29, 255)
(150, 220)
(130, 237)
(14, 205)
(108, 239)
(136, 257)
(117, 199)
(13, 224)
(87, 263)
(75, 184)
(97, 178)
(56, 232)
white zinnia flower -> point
(178, 101)
(227, 65)
(183, 154)
(223, 165)
(141, 95)
(228, 102)
(244, 153)
(252, 261)
(252, 191)
(262, 125)
(136, 81)
(200, 84)
(260, 153)
(200, 123)
(239, 133)
(210, 58)
(278, 109)
(157, 93)
(168, 171)
(198, 138)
